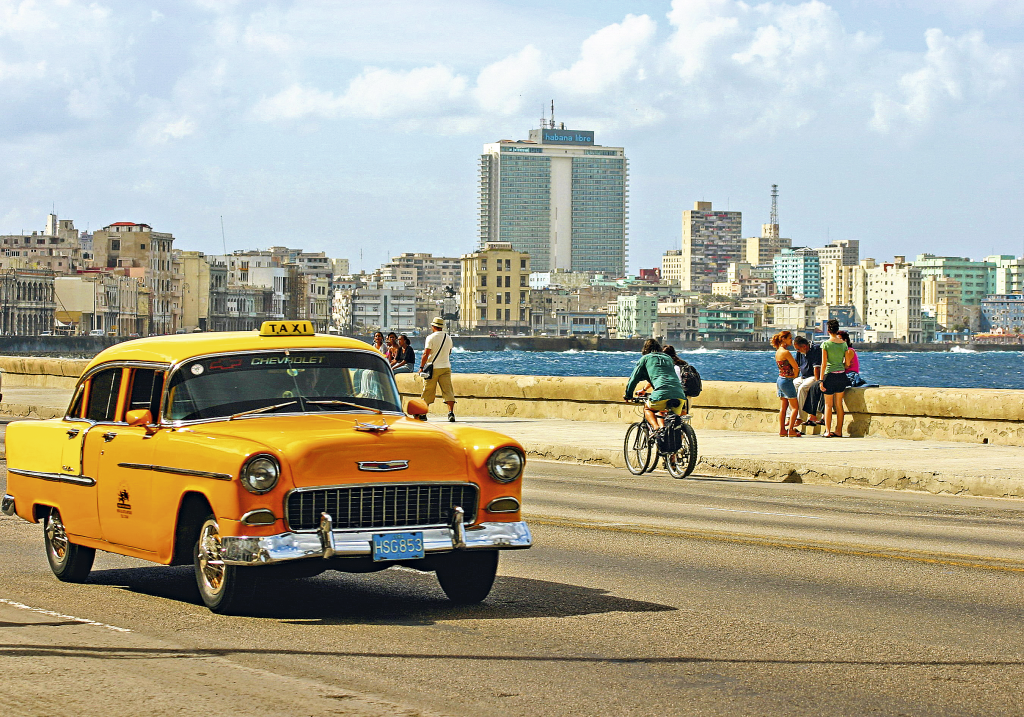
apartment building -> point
(711, 240)
(894, 299)
(495, 293)
(425, 273)
(127, 246)
(977, 278)
(378, 306)
(672, 266)
(797, 272)
(636, 315)
(845, 251)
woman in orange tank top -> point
(786, 390)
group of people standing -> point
(814, 380)
(435, 365)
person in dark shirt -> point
(808, 358)
(406, 357)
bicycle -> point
(640, 447)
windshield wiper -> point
(261, 410)
(344, 403)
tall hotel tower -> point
(558, 196)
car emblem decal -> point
(372, 427)
(381, 466)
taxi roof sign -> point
(287, 328)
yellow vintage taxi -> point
(271, 452)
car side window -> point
(147, 385)
(103, 389)
(76, 408)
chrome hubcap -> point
(57, 537)
(211, 558)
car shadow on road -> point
(394, 597)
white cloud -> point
(501, 87)
(953, 71)
(608, 57)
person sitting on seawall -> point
(853, 377)
(808, 358)
(405, 359)
(788, 370)
(391, 347)
(378, 342)
(659, 370)
(836, 357)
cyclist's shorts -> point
(663, 405)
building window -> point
(522, 263)
(115, 245)
(508, 265)
(483, 280)
(483, 314)
(522, 280)
(497, 298)
(508, 297)
(497, 314)
(508, 314)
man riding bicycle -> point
(659, 370)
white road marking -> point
(51, 613)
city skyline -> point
(882, 121)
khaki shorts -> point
(663, 406)
(442, 377)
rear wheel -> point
(637, 448)
(681, 463)
(225, 589)
(467, 576)
(69, 562)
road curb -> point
(788, 472)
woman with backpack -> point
(686, 372)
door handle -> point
(108, 437)
(72, 432)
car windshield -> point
(281, 382)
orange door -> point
(124, 484)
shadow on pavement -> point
(394, 597)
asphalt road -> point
(642, 597)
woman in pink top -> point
(853, 370)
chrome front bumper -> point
(327, 543)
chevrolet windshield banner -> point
(568, 136)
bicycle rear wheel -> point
(637, 448)
(681, 463)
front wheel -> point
(467, 576)
(69, 562)
(225, 589)
(681, 463)
(637, 448)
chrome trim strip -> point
(176, 471)
(7, 505)
(296, 546)
(247, 517)
(515, 500)
(382, 466)
(57, 477)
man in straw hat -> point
(435, 354)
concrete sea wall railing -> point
(940, 414)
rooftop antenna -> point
(775, 205)
(543, 117)
(223, 238)
(552, 126)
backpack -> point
(692, 385)
(670, 438)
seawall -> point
(941, 414)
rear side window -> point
(147, 385)
(103, 390)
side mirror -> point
(416, 407)
(141, 417)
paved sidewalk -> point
(933, 466)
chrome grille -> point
(381, 506)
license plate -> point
(397, 546)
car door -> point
(79, 502)
(123, 457)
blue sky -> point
(355, 127)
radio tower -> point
(771, 229)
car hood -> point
(327, 449)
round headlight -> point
(260, 474)
(505, 465)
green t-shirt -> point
(834, 353)
(661, 372)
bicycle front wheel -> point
(681, 463)
(637, 448)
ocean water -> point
(958, 368)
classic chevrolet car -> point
(272, 451)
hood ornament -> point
(372, 427)
(382, 466)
